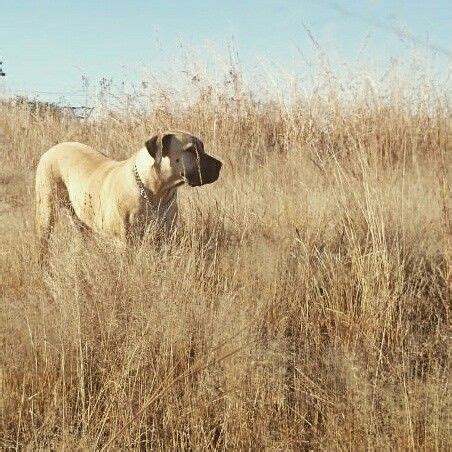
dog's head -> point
(180, 157)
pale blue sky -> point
(46, 46)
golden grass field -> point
(302, 305)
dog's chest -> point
(144, 215)
(149, 214)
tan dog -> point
(119, 198)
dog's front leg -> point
(135, 226)
(170, 220)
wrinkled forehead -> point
(181, 141)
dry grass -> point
(303, 305)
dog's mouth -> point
(199, 172)
(187, 180)
(179, 182)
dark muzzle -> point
(200, 169)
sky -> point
(48, 46)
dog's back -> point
(63, 158)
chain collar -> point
(149, 197)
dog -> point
(119, 199)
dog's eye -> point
(177, 160)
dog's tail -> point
(45, 192)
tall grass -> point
(303, 303)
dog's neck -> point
(144, 164)
(145, 167)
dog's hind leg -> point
(85, 231)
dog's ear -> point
(158, 146)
